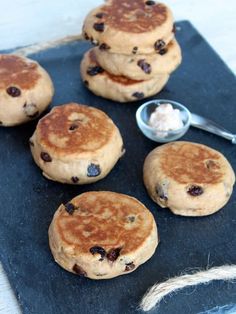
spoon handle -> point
(212, 127)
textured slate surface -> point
(28, 201)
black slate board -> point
(28, 201)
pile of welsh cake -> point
(136, 50)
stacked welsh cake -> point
(136, 50)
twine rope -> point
(46, 45)
(157, 292)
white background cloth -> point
(24, 22)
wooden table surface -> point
(214, 19)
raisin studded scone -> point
(26, 90)
(130, 26)
(76, 144)
(118, 88)
(140, 67)
(191, 179)
(101, 235)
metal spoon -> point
(212, 127)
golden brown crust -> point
(189, 178)
(187, 162)
(102, 235)
(16, 71)
(130, 26)
(105, 219)
(122, 80)
(133, 16)
(74, 128)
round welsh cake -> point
(76, 144)
(191, 179)
(25, 90)
(130, 26)
(140, 67)
(118, 88)
(102, 235)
